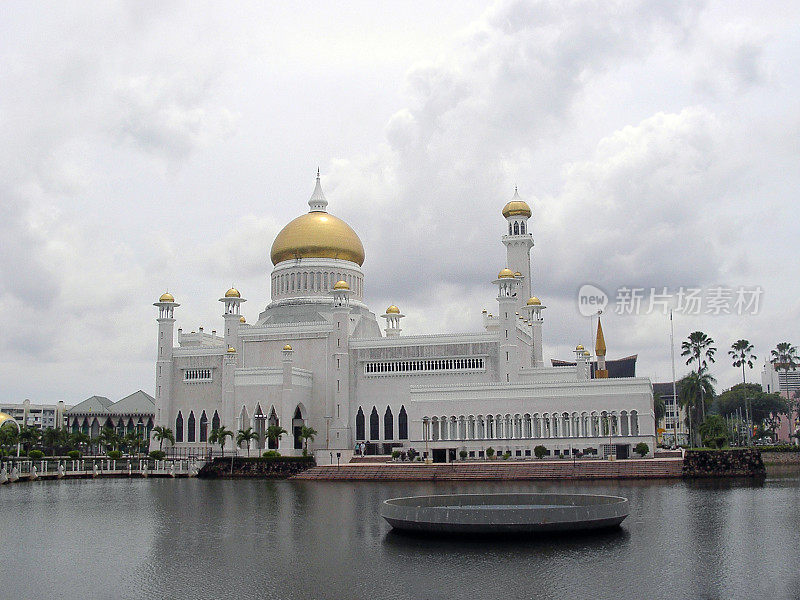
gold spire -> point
(600, 344)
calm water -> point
(260, 539)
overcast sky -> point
(155, 146)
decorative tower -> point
(508, 359)
(534, 308)
(600, 350)
(232, 301)
(392, 316)
(582, 362)
(166, 324)
(518, 242)
(318, 202)
(338, 409)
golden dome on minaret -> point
(341, 285)
(166, 297)
(505, 274)
(392, 310)
(317, 234)
(233, 293)
(242, 320)
(516, 207)
(533, 301)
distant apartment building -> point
(672, 411)
(786, 383)
(37, 416)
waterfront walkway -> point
(33, 470)
(648, 468)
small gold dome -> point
(586, 353)
(242, 320)
(392, 310)
(233, 293)
(341, 285)
(166, 297)
(231, 349)
(505, 274)
(579, 347)
(533, 301)
(287, 347)
(516, 208)
(517, 274)
(317, 235)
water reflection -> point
(280, 539)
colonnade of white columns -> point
(545, 426)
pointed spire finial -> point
(600, 344)
(318, 202)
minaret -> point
(166, 324)
(600, 350)
(518, 242)
(534, 308)
(392, 316)
(318, 202)
(507, 359)
(582, 362)
(338, 409)
(232, 301)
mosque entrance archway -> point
(272, 421)
(297, 428)
(260, 427)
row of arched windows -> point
(122, 427)
(388, 425)
(517, 228)
(316, 281)
(191, 429)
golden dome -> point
(287, 347)
(231, 349)
(341, 285)
(586, 353)
(242, 320)
(233, 293)
(505, 274)
(517, 274)
(515, 208)
(579, 347)
(166, 297)
(317, 235)
(533, 301)
(5, 417)
(392, 310)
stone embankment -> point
(746, 462)
(257, 467)
(499, 471)
(780, 458)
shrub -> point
(158, 455)
(642, 449)
(490, 452)
(35, 454)
(74, 454)
(271, 454)
(463, 454)
(403, 455)
(507, 455)
(395, 454)
(412, 454)
(115, 454)
(539, 451)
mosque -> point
(317, 357)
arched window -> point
(516, 228)
(203, 427)
(374, 425)
(179, 428)
(522, 227)
(215, 421)
(510, 231)
(402, 424)
(388, 424)
(360, 424)
(190, 427)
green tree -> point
(539, 451)
(133, 441)
(742, 354)
(245, 436)
(51, 439)
(108, 438)
(9, 436)
(699, 348)
(79, 440)
(29, 437)
(659, 409)
(219, 436)
(307, 434)
(714, 432)
(695, 390)
(276, 432)
(785, 358)
(642, 449)
(163, 433)
(762, 404)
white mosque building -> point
(316, 356)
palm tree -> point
(276, 432)
(78, 440)
(742, 354)
(784, 357)
(245, 436)
(163, 433)
(698, 347)
(51, 437)
(108, 438)
(219, 436)
(134, 439)
(29, 436)
(694, 389)
(307, 434)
